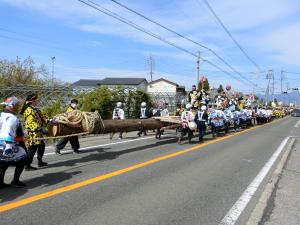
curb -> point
(261, 209)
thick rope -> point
(57, 137)
(90, 122)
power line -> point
(230, 35)
(290, 72)
(184, 37)
(128, 22)
(122, 19)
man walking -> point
(201, 118)
(74, 139)
(118, 114)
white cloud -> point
(92, 43)
(283, 44)
(248, 14)
(260, 26)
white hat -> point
(203, 107)
(119, 104)
(188, 106)
(143, 104)
(11, 101)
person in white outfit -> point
(164, 110)
(144, 113)
(188, 124)
(118, 114)
(12, 148)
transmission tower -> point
(151, 65)
(271, 86)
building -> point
(165, 86)
(166, 91)
(87, 85)
(84, 85)
(126, 83)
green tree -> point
(139, 97)
(119, 95)
(100, 99)
(55, 107)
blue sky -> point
(91, 45)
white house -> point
(166, 91)
(164, 86)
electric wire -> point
(184, 37)
(126, 21)
(230, 35)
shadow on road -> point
(48, 179)
(102, 155)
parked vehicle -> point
(295, 112)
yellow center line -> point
(71, 187)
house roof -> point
(122, 81)
(86, 82)
(162, 79)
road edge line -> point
(259, 210)
(239, 206)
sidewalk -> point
(283, 207)
(286, 208)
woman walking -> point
(34, 123)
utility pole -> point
(198, 68)
(281, 80)
(273, 85)
(151, 64)
(52, 77)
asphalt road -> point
(197, 184)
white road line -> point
(108, 144)
(234, 213)
(297, 124)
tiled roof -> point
(162, 79)
(86, 82)
(121, 81)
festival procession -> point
(195, 117)
(161, 112)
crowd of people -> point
(200, 110)
(14, 149)
(221, 112)
(226, 110)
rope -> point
(57, 137)
(90, 122)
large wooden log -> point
(113, 126)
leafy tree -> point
(140, 96)
(55, 107)
(20, 72)
(100, 99)
(119, 95)
(104, 100)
